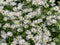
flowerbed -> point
(29, 22)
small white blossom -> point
(9, 0)
(37, 43)
(3, 43)
(13, 3)
(28, 32)
(33, 30)
(14, 8)
(5, 18)
(29, 36)
(56, 8)
(52, 1)
(19, 6)
(9, 34)
(19, 30)
(3, 34)
(53, 43)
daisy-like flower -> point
(14, 8)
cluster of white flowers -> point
(28, 24)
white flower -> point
(28, 32)
(47, 33)
(35, 21)
(50, 39)
(52, 1)
(56, 8)
(14, 8)
(21, 41)
(45, 38)
(1, 7)
(53, 4)
(19, 30)
(32, 24)
(18, 14)
(16, 22)
(19, 6)
(33, 30)
(37, 43)
(9, 34)
(26, 43)
(5, 18)
(3, 43)
(21, 18)
(29, 36)
(27, 10)
(4, 3)
(9, 0)
(48, 44)
(12, 18)
(5, 12)
(49, 23)
(1, 1)
(25, 25)
(15, 0)
(38, 11)
(14, 42)
(3, 34)
(26, 21)
(37, 2)
(13, 3)
(53, 43)
(53, 21)
(28, 0)
(39, 20)
(58, 17)
(19, 37)
(13, 26)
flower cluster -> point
(29, 22)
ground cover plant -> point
(29, 22)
